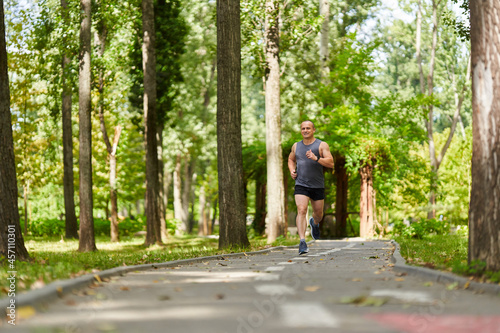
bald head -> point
(307, 122)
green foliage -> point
(421, 229)
(477, 269)
(461, 27)
(50, 227)
(56, 227)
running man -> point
(306, 162)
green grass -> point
(441, 252)
(446, 253)
(53, 260)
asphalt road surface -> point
(339, 286)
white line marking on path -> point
(274, 289)
(307, 315)
(274, 268)
(407, 296)
(267, 277)
(287, 263)
(300, 258)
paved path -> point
(339, 286)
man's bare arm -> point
(292, 162)
(326, 159)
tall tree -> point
(171, 31)
(110, 147)
(67, 129)
(484, 217)
(153, 229)
(435, 158)
(232, 230)
(11, 237)
(87, 237)
(276, 225)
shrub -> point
(102, 227)
(172, 225)
(421, 229)
(47, 227)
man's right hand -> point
(294, 174)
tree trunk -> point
(366, 202)
(153, 227)
(484, 208)
(203, 229)
(162, 188)
(67, 129)
(87, 238)
(178, 211)
(111, 148)
(26, 190)
(259, 222)
(167, 180)
(232, 226)
(112, 185)
(275, 192)
(11, 237)
(324, 10)
(435, 161)
(186, 194)
(341, 197)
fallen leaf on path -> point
(124, 288)
(452, 286)
(97, 277)
(219, 296)
(312, 288)
(357, 279)
(70, 302)
(428, 284)
(178, 289)
(364, 301)
(101, 296)
(163, 298)
(399, 279)
(25, 312)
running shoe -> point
(303, 247)
(314, 229)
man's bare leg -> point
(317, 206)
(302, 201)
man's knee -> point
(318, 214)
(302, 211)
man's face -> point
(307, 130)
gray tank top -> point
(309, 172)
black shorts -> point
(312, 193)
